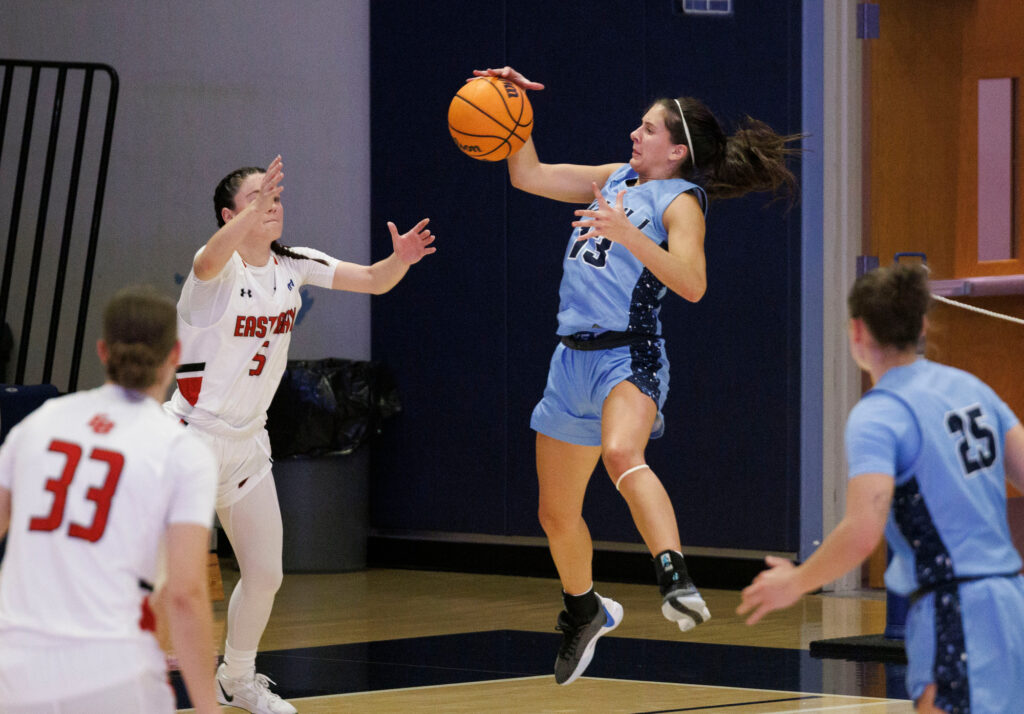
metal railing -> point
(54, 169)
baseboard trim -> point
(529, 557)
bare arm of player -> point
(561, 182)
(5, 511)
(1014, 459)
(683, 267)
(409, 248)
(237, 226)
(186, 603)
(868, 499)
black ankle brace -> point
(670, 569)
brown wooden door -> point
(921, 176)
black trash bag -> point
(329, 406)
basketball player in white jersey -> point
(236, 313)
(90, 483)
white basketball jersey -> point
(95, 477)
(230, 369)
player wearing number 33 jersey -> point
(95, 481)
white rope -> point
(972, 308)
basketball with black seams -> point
(490, 118)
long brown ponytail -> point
(752, 159)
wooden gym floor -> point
(415, 641)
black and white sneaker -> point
(578, 641)
(680, 600)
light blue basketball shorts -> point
(969, 641)
(580, 380)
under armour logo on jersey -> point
(246, 292)
(101, 424)
(291, 284)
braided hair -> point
(139, 328)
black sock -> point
(581, 608)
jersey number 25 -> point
(969, 427)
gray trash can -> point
(322, 414)
(325, 506)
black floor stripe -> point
(509, 654)
(735, 704)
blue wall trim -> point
(812, 276)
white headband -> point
(689, 141)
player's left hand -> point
(608, 221)
(773, 589)
(410, 247)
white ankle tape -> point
(627, 472)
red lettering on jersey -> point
(101, 424)
(189, 388)
(252, 326)
(287, 320)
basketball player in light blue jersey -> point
(641, 236)
(929, 450)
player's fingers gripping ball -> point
(490, 118)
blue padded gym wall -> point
(469, 332)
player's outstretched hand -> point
(270, 186)
(606, 220)
(773, 589)
(413, 245)
(506, 73)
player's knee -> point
(557, 521)
(618, 459)
(266, 578)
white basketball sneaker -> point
(252, 693)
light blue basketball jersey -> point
(948, 518)
(604, 287)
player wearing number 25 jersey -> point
(93, 482)
(930, 449)
(940, 432)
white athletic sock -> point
(238, 663)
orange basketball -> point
(490, 118)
